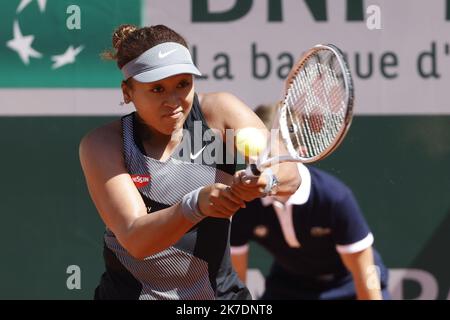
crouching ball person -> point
(321, 244)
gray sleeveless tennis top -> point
(196, 267)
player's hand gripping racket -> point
(316, 111)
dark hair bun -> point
(130, 41)
(121, 33)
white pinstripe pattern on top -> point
(171, 273)
(172, 179)
(168, 275)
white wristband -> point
(189, 206)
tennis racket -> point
(316, 111)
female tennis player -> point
(166, 205)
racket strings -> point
(325, 106)
(315, 104)
(301, 96)
(303, 125)
(330, 121)
(301, 140)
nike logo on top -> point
(195, 156)
(162, 55)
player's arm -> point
(239, 259)
(121, 207)
(363, 270)
(226, 111)
(354, 242)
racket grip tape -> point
(252, 170)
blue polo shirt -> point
(305, 236)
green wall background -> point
(398, 167)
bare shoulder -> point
(223, 109)
(102, 142)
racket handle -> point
(252, 171)
(272, 182)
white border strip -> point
(67, 102)
(357, 246)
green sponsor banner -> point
(57, 43)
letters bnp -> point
(355, 10)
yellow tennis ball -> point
(250, 141)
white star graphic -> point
(22, 45)
(67, 57)
(24, 3)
